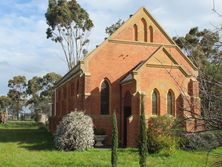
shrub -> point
(162, 125)
(74, 132)
(153, 146)
(168, 144)
(201, 140)
(161, 135)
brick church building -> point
(139, 58)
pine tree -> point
(203, 49)
(143, 136)
(111, 29)
(114, 157)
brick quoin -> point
(138, 58)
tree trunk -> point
(17, 110)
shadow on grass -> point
(31, 139)
(218, 156)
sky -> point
(24, 49)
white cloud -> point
(24, 49)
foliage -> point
(17, 93)
(39, 90)
(74, 132)
(204, 49)
(111, 29)
(5, 102)
(165, 145)
(23, 144)
(162, 125)
(114, 157)
(3, 117)
(36, 94)
(68, 24)
(161, 135)
(153, 146)
(142, 136)
(33, 90)
(48, 82)
(201, 141)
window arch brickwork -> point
(151, 33)
(170, 103)
(144, 29)
(155, 102)
(135, 28)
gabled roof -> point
(79, 67)
(129, 76)
(148, 63)
(69, 74)
(161, 48)
(124, 25)
(142, 9)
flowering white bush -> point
(74, 132)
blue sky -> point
(24, 49)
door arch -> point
(127, 111)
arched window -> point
(151, 33)
(135, 32)
(104, 99)
(155, 102)
(170, 103)
(145, 29)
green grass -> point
(19, 125)
(23, 144)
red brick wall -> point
(69, 97)
(127, 33)
(112, 61)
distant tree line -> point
(34, 94)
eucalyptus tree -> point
(4, 103)
(69, 25)
(17, 93)
(34, 87)
(39, 90)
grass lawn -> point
(25, 145)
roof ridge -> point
(129, 74)
(149, 58)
